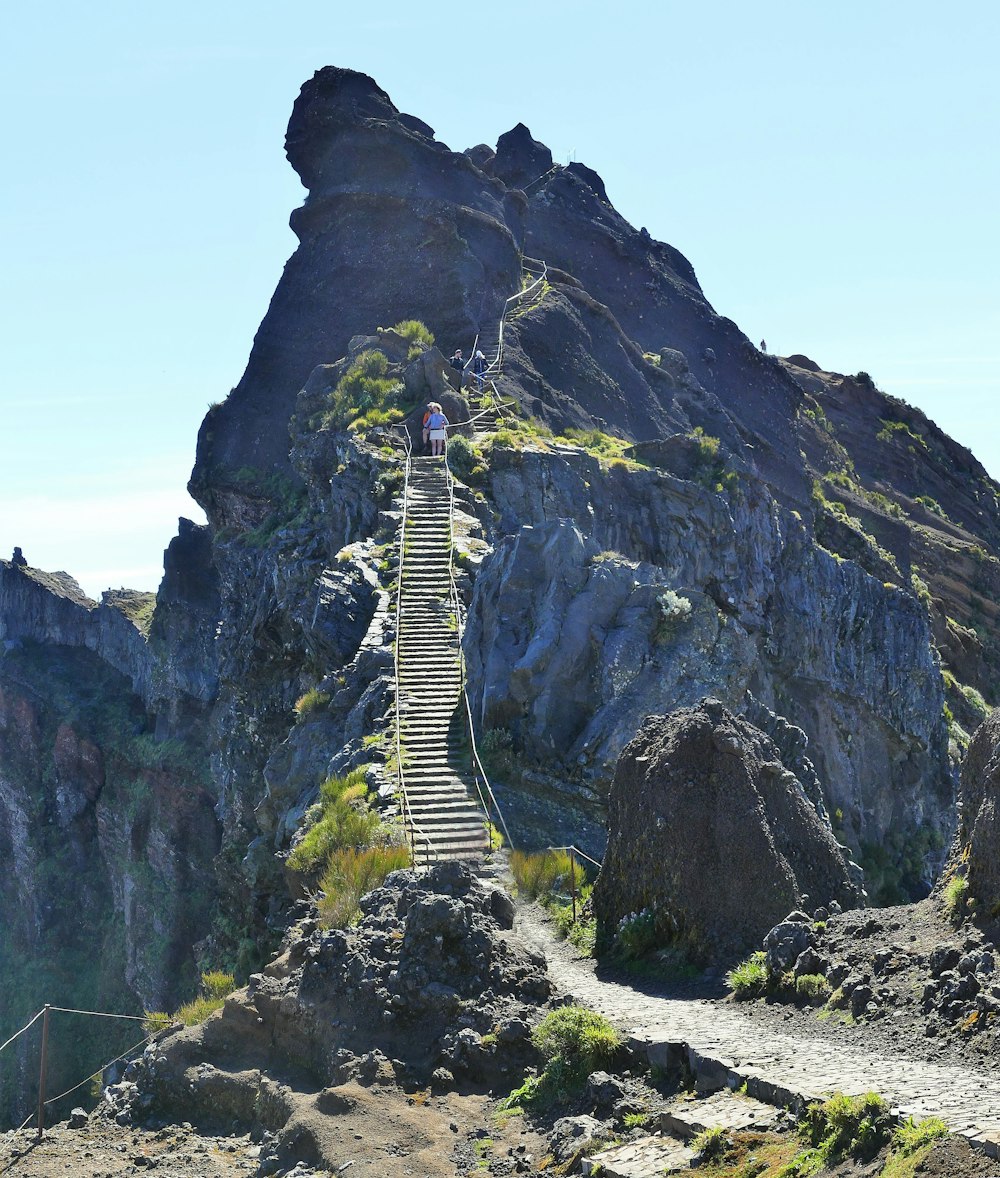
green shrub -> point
(311, 701)
(504, 439)
(594, 441)
(496, 750)
(155, 1020)
(931, 505)
(580, 1040)
(855, 1126)
(891, 428)
(464, 458)
(812, 988)
(636, 935)
(351, 874)
(375, 417)
(542, 873)
(711, 1143)
(749, 979)
(954, 894)
(342, 818)
(673, 610)
(582, 935)
(911, 1135)
(363, 387)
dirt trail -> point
(796, 1059)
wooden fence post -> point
(42, 1068)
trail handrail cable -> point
(457, 608)
(18, 1034)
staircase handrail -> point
(515, 299)
(408, 821)
(477, 765)
(576, 850)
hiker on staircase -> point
(437, 426)
(478, 368)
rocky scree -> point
(431, 987)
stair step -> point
(458, 819)
(456, 792)
(432, 782)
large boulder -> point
(979, 822)
(711, 833)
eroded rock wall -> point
(617, 592)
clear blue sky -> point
(830, 170)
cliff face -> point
(721, 523)
(890, 483)
(613, 594)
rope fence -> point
(43, 1014)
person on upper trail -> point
(437, 425)
(763, 345)
(478, 368)
(456, 361)
(424, 426)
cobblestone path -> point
(726, 1048)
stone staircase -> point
(448, 824)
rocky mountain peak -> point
(520, 159)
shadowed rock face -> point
(712, 833)
(652, 291)
(979, 825)
(395, 226)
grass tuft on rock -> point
(364, 391)
(848, 1126)
(351, 874)
(418, 334)
(216, 986)
(342, 818)
(954, 895)
(574, 1042)
(311, 701)
(750, 978)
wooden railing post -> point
(42, 1069)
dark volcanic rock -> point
(710, 832)
(395, 227)
(426, 973)
(651, 290)
(520, 159)
(979, 825)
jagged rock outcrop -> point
(714, 836)
(978, 839)
(430, 987)
(395, 226)
(111, 836)
(51, 608)
(893, 489)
